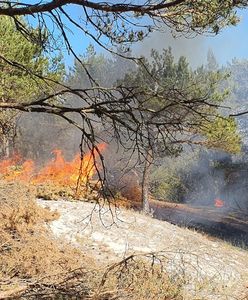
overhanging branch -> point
(28, 9)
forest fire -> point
(218, 203)
(58, 170)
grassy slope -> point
(161, 260)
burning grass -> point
(72, 179)
(71, 176)
(35, 265)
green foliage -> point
(103, 71)
(173, 85)
(161, 68)
(219, 14)
(167, 186)
(22, 64)
(168, 181)
(19, 84)
(185, 99)
(125, 23)
(222, 134)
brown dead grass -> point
(126, 199)
(33, 265)
(52, 191)
(140, 278)
(26, 248)
(133, 278)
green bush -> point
(169, 181)
(167, 186)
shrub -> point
(167, 186)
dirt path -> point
(212, 269)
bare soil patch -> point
(208, 268)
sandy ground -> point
(211, 268)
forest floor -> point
(208, 267)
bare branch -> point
(30, 9)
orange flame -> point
(58, 170)
(218, 202)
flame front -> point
(218, 202)
(58, 170)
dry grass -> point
(91, 193)
(140, 277)
(27, 250)
(51, 191)
(33, 265)
(133, 278)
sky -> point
(232, 42)
(229, 43)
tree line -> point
(153, 107)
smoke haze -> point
(194, 49)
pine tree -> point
(19, 84)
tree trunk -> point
(6, 146)
(145, 181)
